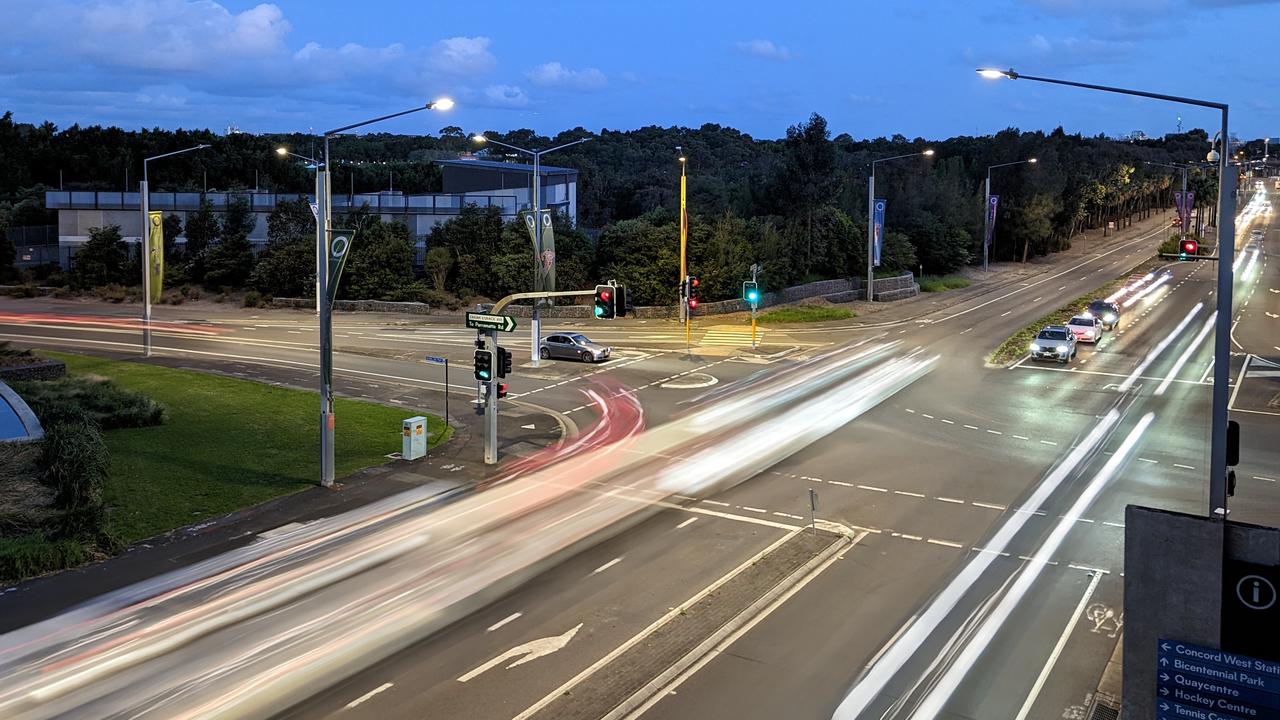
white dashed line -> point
(949, 422)
(687, 523)
(748, 508)
(1260, 477)
(989, 506)
(1112, 524)
(717, 502)
(503, 621)
(371, 693)
(949, 500)
(1149, 460)
(788, 515)
(995, 432)
(909, 494)
(946, 543)
(971, 427)
(607, 565)
(1184, 467)
(909, 410)
(1020, 437)
(927, 415)
(1048, 442)
(837, 482)
(873, 489)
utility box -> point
(414, 441)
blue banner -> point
(877, 223)
(992, 203)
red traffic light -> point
(1190, 247)
(693, 303)
(605, 296)
(694, 282)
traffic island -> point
(217, 445)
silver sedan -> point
(573, 346)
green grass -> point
(226, 444)
(804, 313)
(942, 283)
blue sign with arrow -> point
(1194, 681)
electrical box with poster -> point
(413, 441)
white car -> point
(1086, 328)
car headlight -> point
(1109, 317)
(1062, 350)
(1035, 347)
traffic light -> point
(620, 300)
(1188, 248)
(504, 361)
(606, 302)
(691, 291)
(484, 365)
(502, 390)
(751, 292)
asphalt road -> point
(988, 581)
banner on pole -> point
(544, 253)
(339, 251)
(877, 225)
(1184, 201)
(155, 253)
(993, 202)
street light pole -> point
(1226, 251)
(144, 245)
(324, 220)
(986, 209)
(871, 202)
(535, 327)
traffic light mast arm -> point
(498, 306)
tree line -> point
(796, 205)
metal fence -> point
(33, 245)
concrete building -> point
(483, 183)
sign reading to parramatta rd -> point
(485, 321)
(1193, 681)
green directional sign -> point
(485, 321)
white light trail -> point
(1155, 352)
(1186, 354)
(1147, 290)
(933, 703)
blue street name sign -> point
(436, 360)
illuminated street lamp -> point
(1226, 251)
(871, 225)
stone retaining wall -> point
(44, 370)
(411, 308)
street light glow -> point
(992, 73)
(443, 103)
(282, 151)
(479, 138)
(928, 153)
(1032, 160)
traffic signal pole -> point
(491, 402)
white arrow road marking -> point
(527, 427)
(1272, 315)
(531, 650)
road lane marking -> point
(995, 432)
(872, 488)
(1184, 467)
(945, 543)
(531, 650)
(1020, 437)
(989, 506)
(753, 509)
(687, 523)
(1048, 442)
(909, 494)
(788, 515)
(381, 688)
(1260, 477)
(971, 427)
(1149, 460)
(606, 566)
(510, 618)
(1057, 649)
(837, 482)
(717, 502)
(949, 422)
(949, 500)
(928, 416)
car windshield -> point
(1081, 320)
(1098, 306)
(1052, 335)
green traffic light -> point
(599, 311)
(484, 375)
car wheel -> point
(545, 353)
(586, 356)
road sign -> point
(436, 360)
(1197, 681)
(485, 321)
(1249, 603)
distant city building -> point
(483, 183)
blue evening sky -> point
(872, 68)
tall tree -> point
(809, 178)
(102, 260)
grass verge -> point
(942, 283)
(803, 314)
(1016, 346)
(226, 444)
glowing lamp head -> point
(443, 103)
(282, 151)
(928, 153)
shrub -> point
(112, 293)
(32, 554)
(253, 299)
(190, 292)
(417, 291)
(104, 403)
(75, 460)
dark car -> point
(1107, 312)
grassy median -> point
(942, 283)
(1017, 344)
(225, 444)
(804, 314)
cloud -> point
(553, 74)
(764, 49)
(461, 56)
(509, 96)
